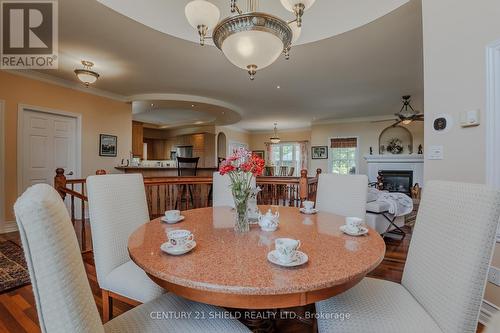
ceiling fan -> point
(406, 115)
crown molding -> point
(67, 84)
(387, 117)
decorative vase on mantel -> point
(241, 167)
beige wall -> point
(367, 133)
(456, 34)
(99, 115)
(319, 135)
(258, 139)
(233, 135)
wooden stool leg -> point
(107, 306)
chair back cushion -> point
(222, 195)
(117, 207)
(342, 195)
(450, 252)
(62, 293)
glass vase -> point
(241, 223)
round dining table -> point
(231, 269)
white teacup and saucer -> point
(179, 242)
(308, 208)
(172, 216)
(354, 226)
(269, 221)
(286, 253)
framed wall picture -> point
(259, 153)
(319, 152)
(108, 145)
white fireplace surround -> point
(413, 162)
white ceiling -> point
(360, 73)
(326, 18)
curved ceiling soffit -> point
(327, 18)
(185, 98)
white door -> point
(49, 142)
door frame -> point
(2, 163)
(20, 135)
(492, 116)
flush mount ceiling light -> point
(250, 40)
(275, 138)
(86, 74)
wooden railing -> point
(164, 193)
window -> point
(344, 156)
(286, 154)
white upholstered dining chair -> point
(445, 272)
(117, 206)
(222, 195)
(62, 292)
(342, 194)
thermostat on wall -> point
(442, 123)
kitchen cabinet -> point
(137, 139)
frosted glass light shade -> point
(290, 4)
(86, 76)
(296, 30)
(201, 12)
(252, 48)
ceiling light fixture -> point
(275, 138)
(86, 74)
(250, 40)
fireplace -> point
(397, 180)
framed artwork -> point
(319, 152)
(108, 145)
(259, 153)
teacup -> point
(308, 205)
(354, 223)
(179, 238)
(286, 248)
(172, 215)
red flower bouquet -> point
(241, 167)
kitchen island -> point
(156, 171)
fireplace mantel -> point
(413, 162)
(400, 158)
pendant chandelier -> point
(250, 40)
(275, 138)
(86, 74)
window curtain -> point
(304, 155)
(344, 143)
(268, 153)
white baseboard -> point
(8, 226)
(488, 310)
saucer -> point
(308, 212)
(170, 249)
(300, 258)
(346, 230)
(164, 219)
(269, 229)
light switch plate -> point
(494, 275)
(435, 153)
(469, 118)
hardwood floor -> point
(18, 312)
